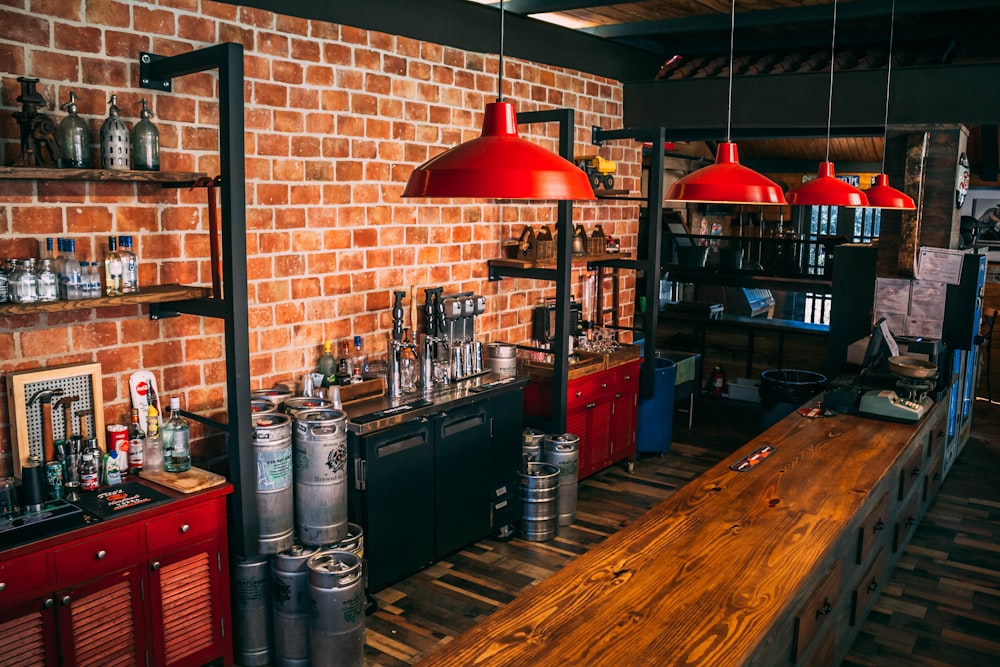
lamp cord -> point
(833, 60)
(500, 64)
(729, 104)
(888, 82)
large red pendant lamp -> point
(727, 181)
(881, 194)
(499, 164)
(826, 189)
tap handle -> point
(430, 320)
(397, 315)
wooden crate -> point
(351, 393)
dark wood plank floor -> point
(941, 607)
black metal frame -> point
(231, 306)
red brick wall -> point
(336, 118)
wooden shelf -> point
(110, 175)
(746, 278)
(154, 294)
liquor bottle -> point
(23, 283)
(344, 369)
(145, 142)
(175, 434)
(89, 477)
(48, 283)
(359, 362)
(72, 277)
(136, 440)
(130, 269)
(74, 137)
(115, 141)
(112, 269)
(153, 449)
(92, 277)
(327, 366)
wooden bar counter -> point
(777, 565)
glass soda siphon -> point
(145, 142)
(74, 137)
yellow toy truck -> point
(599, 171)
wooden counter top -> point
(710, 575)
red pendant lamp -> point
(499, 164)
(881, 194)
(826, 189)
(727, 181)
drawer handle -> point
(101, 555)
(185, 528)
(879, 525)
(65, 600)
(618, 395)
(49, 603)
(873, 585)
(628, 377)
(590, 405)
(825, 609)
(3, 585)
(910, 521)
(915, 472)
(604, 385)
(579, 394)
(155, 566)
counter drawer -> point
(579, 392)
(867, 590)
(182, 528)
(22, 576)
(932, 480)
(811, 617)
(873, 528)
(906, 523)
(98, 555)
(910, 471)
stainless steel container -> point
(262, 406)
(501, 358)
(337, 599)
(297, 404)
(253, 640)
(563, 451)
(276, 395)
(290, 606)
(540, 502)
(320, 445)
(272, 446)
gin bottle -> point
(48, 283)
(175, 434)
(112, 269)
(130, 269)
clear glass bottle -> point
(130, 269)
(74, 137)
(48, 283)
(154, 446)
(89, 477)
(145, 142)
(175, 434)
(112, 269)
(4, 281)
(23, 283)
(115, 140)
(72, 276)
(59, 259)
(359, 362)
(95, 280)
(136, 442)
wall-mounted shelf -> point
(154, 294)
(744, 278)
(110, 175)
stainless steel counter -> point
(376, 414)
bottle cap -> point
(89, 457)
(175, 403)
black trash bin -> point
(784, 390)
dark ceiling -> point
(673, 59)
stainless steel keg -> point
(272, 445)
(563, 451)
(253, 640)
(320, 454)
(290, 605)
(337, 598)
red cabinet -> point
(601, 408)
(150, 588)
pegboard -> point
(82, 381)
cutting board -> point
(188, 481)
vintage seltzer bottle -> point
(115, 141)
(74, 137)
(145, 142)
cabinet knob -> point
(65, 600)
(185, 528)
(49, 603)
(879, 525)
(155, 567)
(590, 405)
(915, 472)
(604, 385)
(579, 394)
(101, 555)
(825, 609)
(873, 585)
(3, 585)
(627, 377)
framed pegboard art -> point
(76, 407)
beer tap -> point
(395, 347)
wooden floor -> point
(941, 606)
